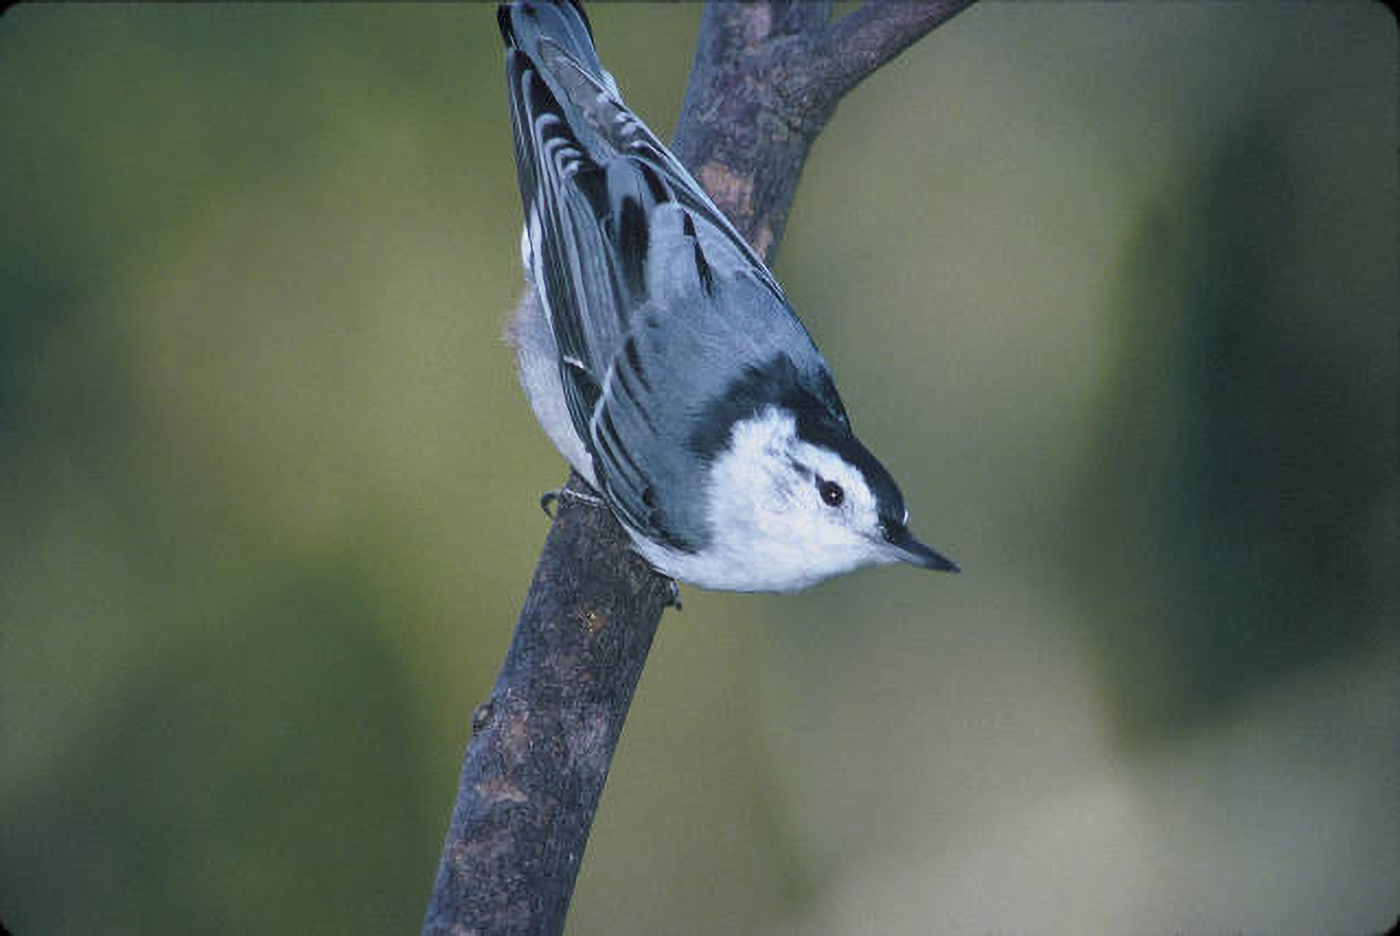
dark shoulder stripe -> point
(818, 413)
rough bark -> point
(766, 78)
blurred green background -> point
(1111, 288)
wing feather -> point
(631, 260)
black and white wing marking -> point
(603, 121)
(591, 248)
(566, 248)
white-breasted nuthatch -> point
(660, 355)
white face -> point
(786, 514)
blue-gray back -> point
(668, 325)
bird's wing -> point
(655, 300)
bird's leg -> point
(557, 496)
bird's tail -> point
(579, 147)
(542, 29)
(565, 109)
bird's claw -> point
(673, 597)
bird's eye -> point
(831, 492)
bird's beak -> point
(907, 549)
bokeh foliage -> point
(1111, 288)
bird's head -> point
(801, 499)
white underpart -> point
(527, 242)
(769, 530)
(531, 337)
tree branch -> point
(767, 76)
(876, 32)
(542, 744)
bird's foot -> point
(673, 598)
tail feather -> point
(562, 22)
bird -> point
(662, 358)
